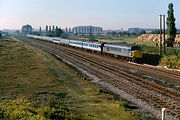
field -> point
(129, 40)
(34, 85)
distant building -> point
(87, 30)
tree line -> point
(53, 31)
(49, 31)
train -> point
(122, 51)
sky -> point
(108, 14)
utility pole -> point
(164, 24)
(160, 35)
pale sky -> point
(109, 14)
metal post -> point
(163, 113)
(164, 28)
(160, 42)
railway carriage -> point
(44, 38)
(75, 43)
(56, 40)
(92, 46)
(64, 41)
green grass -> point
(171, 61)
(34, 85)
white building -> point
(87, 30)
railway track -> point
(116, 70)
(163, 73)
(152, 93)
(145, 70)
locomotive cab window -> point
(135, 48)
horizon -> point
(110, 15)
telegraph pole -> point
(160, 36)
(164, 31)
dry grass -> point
(171, 61)
(33, 85)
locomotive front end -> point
(136, 54)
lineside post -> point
(163, 113)
(160, 42)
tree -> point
(136, 31)
(26, 29)
(56, 27)
(53, 27)
(66, 29)
(0, 34)
(156, 31)
(65, 35)
(171, 29)
(46, 28)
(17, 32)
(58, 32)
(49, 28)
